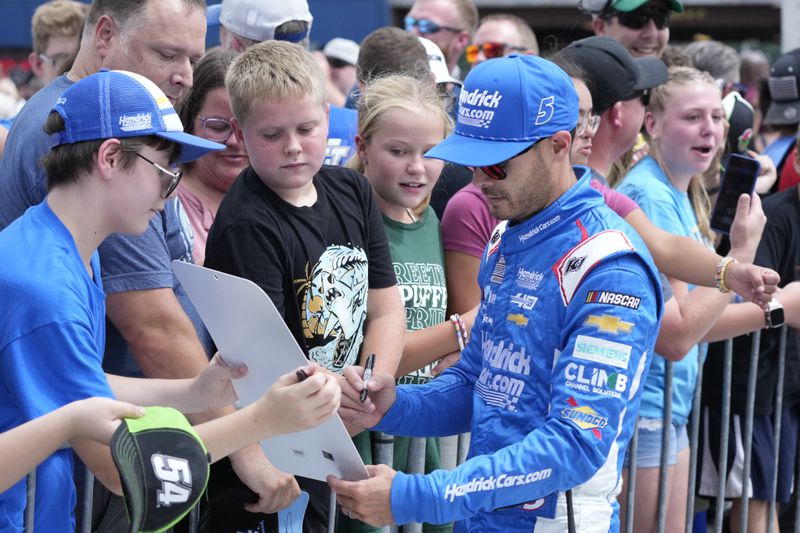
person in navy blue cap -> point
(549, 385)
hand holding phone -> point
(739, 178)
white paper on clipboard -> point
(247, 328)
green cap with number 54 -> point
(163, 466)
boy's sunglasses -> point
(498, 172)
(490, 50)
(638, 18)
(425, 26)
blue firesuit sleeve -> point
(442, 406)
(581, 431)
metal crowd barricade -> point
(694, 437)
(727, 374)
(383, 453)
(748, 427)
(86, 504)
(664, 463)
(631, 488)
(725, 422)
(30, 507)
(776, 435)
(383, 450)
(416, 465)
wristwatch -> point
(774, 314)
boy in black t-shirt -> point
(310, 235)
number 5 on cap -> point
(545, 110)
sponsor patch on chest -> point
(575, 264)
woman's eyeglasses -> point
(638, 18)
(587, 122)
(490, 50)
(216, 129)
(167, 176)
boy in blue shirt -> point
(114, 135)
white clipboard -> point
(247, 328)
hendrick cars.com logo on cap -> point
(476, 108)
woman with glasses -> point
(206, 112)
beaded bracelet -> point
(461, 329)
(719, 275)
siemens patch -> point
(602, 351)
(613, 298)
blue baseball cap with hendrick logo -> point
(506, 105)
(115, 104)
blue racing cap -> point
(506, 105)
(116, 104)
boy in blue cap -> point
(114, 138)
(570, 308)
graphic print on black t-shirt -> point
(333, 300)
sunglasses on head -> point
(639, 18)
(490, 50)
(498, 172)
(426, 26)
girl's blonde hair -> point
(396, 92)
(701, 203)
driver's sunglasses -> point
(638, 18)
(490, 50)
(498, 172)
(426, 26)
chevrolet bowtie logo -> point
(518, 318)
(609, 324)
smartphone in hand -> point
(739, 178)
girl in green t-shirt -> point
(399, 119)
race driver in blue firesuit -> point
(550, 383)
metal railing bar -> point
(776, 435)
(748, 428)
(725, 425)
(665, 433)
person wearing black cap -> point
(619, 85)
(783, 113)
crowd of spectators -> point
(523, 242)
